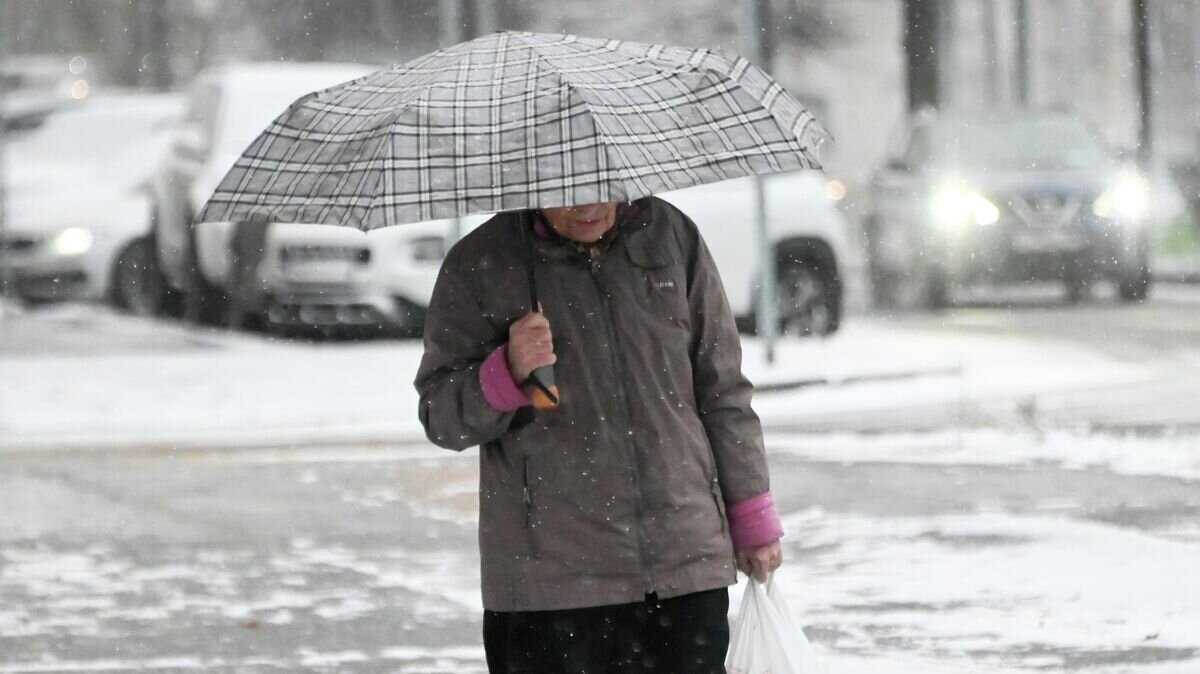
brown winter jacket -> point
(619, 491)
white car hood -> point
(46, 211)
(46, 196)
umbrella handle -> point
(545, 393)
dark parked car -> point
(1016, 197)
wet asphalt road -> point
(1160, 337)
(364, 561)
(1168, 324)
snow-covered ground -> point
(161, 386)
(955, 590)
(215, 388)
(961, 585)
(1035, 592)
(83, 378)
(1176, 456)
(963, 593)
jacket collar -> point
(552, 245)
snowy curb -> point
(215, 441)
(900, 375)
(1176, 269)
(375, 435)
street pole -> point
(754, 49)
(1194, 15)
(923, 51)
(1194, 19)
(1023, 62)
(486, 19)
(945, 54)
(991, 47)
(450, 19)
(1145, 90)
(5, 272)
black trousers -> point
(681, 635)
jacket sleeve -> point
(722, 391)
(453, 408)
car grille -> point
(302, 254)
(1046, 210)
(17, 244)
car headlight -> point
(954, 206)
(835, 190)
(1126, 199)
(72, 241)
(428, 248)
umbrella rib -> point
(515, 119)
(736, 71)
(602, 131)
(495, 111)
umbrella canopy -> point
(513, 121)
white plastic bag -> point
(765, 640)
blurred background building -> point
(845, 59)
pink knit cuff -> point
(754, 522)
(499, 388)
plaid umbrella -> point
(513, 121)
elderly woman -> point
(612, 523)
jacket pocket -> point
(714, 487)
(663, 291)
(527, 501)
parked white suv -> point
(313, 275)
(814, 258)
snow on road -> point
(144, 384)
(1175, 456)
(1032, 591)
(936, 593)
(931, 594)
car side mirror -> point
(190, 143)
(898, 164)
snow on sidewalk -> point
(84, 378)
(1172, 456)
(991, 590)
(81, 377)
(232, 391)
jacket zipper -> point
(618, 371)
(715, 488)
(527, 499)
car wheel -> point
(882, 280)
(245, 306)
(238, 318)
(884, 289)
(137, 286)
(1134, 287)
(203, 303)
(1076, 282)
(171, 302)
(806, 301)
(935, 290)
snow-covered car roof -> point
(104, 140)
(240, 78)
(254, 94)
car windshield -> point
(89, 135)
(247, 116)
(1018, 144)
